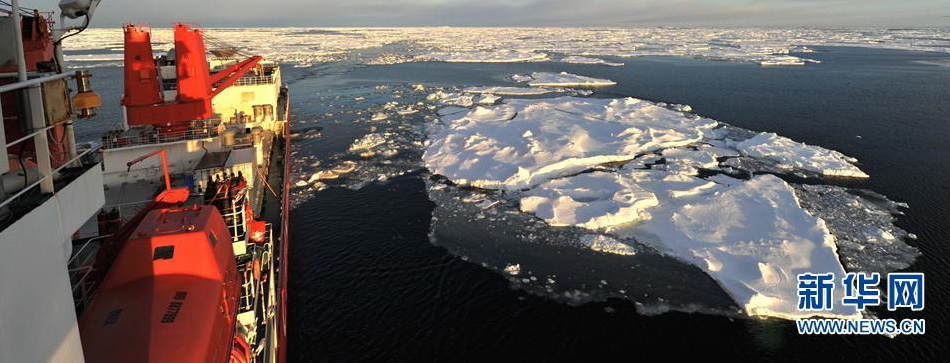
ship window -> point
(213, 238)
(163, 253)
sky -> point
(738, 13)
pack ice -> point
(752, 236)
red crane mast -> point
(196, 86)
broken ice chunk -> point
(591, 200)
(791, 155)
(601, 243)
(588, 60)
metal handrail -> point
(237, 218)
(31, 135)
(268, 246)
(254, 80)
(158, 138)
(33, 82)
(88, 270)
(41, 180)
(83, 248)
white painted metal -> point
(4, 165)
(39, 180)
(18, 40)
(37, 120)
(36, 304)
(33, 82)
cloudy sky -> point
(885, 13)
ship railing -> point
(46, 177)
(80, 268)
(114, 142)
(37, 131)
(237, 224)
(254, 80)
(268, 245)
(248, 290)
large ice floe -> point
(632, 170)
(523, 143)
(752, 237)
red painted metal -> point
(37, 44)
(141, 79)
(143, 100)
(284, 254)
(194, 74)
(226, 76)
(170, 296)
(38, 53)
(168, 181)
(240, 350)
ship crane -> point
(196, 86)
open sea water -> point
(370, 281)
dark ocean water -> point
(366, 283)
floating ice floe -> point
(601, 243)
(524, 143)
(587, 60)
(785, 60)
(406, 111)
(752, 236)
(521, 78)
(564, 79)
(498, 56)
(511, 91)
(452, 99)
(337, 171)
(488, 99)
(791, 155)
(367, 142)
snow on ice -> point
(752, 237)
(559, 159)
(591, 200)
(791, 155)
(523, 143)
(511, 91)
(564, 79)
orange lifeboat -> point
(170, 296)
